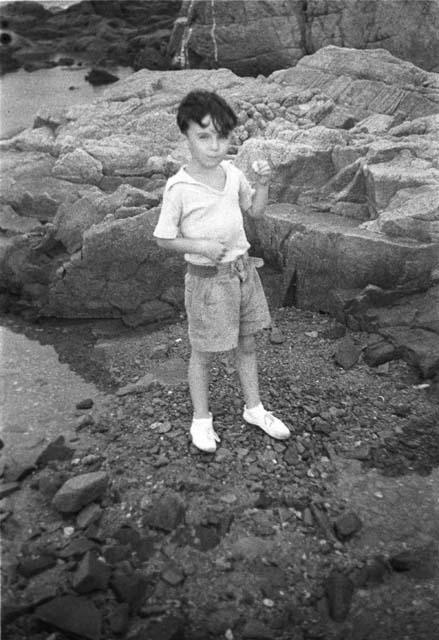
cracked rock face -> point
(260, 37)
(352, 139)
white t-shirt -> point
(191, 209)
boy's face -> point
(208, 148)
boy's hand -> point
(263, 172)
(214, 250)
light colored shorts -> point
(225, 306)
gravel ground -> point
(256, 544)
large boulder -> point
(260, 37)
(352, 139)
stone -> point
(380, 353)
(91, 574)
(130, 588)
(116, 553)
(276, 336)
(119, 619)
(6, 488)
(257, 630)
(347, 353)
(98, 77)
(334, 331)
(377, 568)
(170, 627)
(56, 450)
(421, 562)
(78, 166)
(77, 547)
(144, 383)
(417, 346)
(172, 575)
(80, 491)
(88, 515)
(347, 525)
(159, 351)
(166, 512)
(13, 224)
(31, 566)
(72, 615)
(339, 591)
(86, 403)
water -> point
(22, 93)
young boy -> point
(201, 216)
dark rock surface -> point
(127, 33)
(260, 37)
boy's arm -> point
(212, 249)
(260, 197)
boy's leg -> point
(247, 366)
(202, 431)
(254, 411)
(198, 376)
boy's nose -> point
(215, 143)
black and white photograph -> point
(219, 319)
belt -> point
(236, 267)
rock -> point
(159, 351)
(88, 515)
(80, 491)
(6, 488)
(347, 525)
(145, 383)
(334, 331)
(379, 353)
(276, 336)
(170, 627)
(97, 77)
(339, 591)
(31, 566)
(78, 166)
(130, 588)
(116, 553)
(56, 450)
(417, 346)
(347, 353)
(71, 614)
(13, 224)
(166, 512)
(172, 575)
(86, 403)
(420, 561)
(91, 574)
(119, 619)
(256, 629)
(270, 37)
(377, 568)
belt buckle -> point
(240, 268)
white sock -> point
(202, 421)
(256, 410)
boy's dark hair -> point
(198, 104)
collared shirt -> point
(192, 209)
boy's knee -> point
(247, 344)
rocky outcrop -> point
(260, 37)
(130, 33)
(352, 138)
